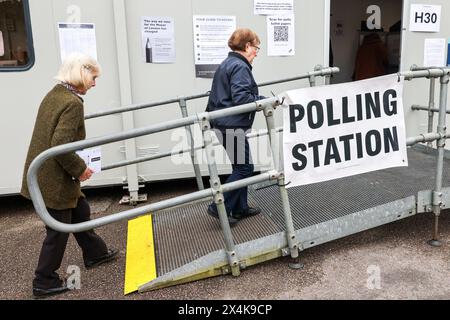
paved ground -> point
(344, 269)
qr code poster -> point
(281, 35)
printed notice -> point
(158, 39)
(92, 158)
(2, 47)
(434, 53)
(425, 18)
(273, 7)
(211, 35)
(77, 37)
(280, 35)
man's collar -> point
(240, 56)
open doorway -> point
(372, 27)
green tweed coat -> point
(60, 120)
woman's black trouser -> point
(55, 242)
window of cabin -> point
(16, 43)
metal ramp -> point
(190, 245)
(321, 212)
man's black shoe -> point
(39, 293)
(214, 214)
(250, 212)
(110, 256)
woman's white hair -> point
(77, 68)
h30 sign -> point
(425, 18)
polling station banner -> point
(342, 130)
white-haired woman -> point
(60, 120)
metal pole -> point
(434, 110)
(290, 230)
(312, 77)
(442, 131)
(430, 108)
(219, 200)
(126, 96)
(190, 136)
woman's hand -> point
(86, 174)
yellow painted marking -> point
(140, 261)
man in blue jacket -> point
(234, 85)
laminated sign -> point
(341, 130)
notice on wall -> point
(211, 35)
(273, 7)
(434, 52)
(280, 35)
(425, 18)
(343, 130)
(2, 46)
(92, 158)
(158, 39)
(77, 37)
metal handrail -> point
(182, 101)
(36, 194)
(431, 104)
(317, 73)
(273, 102)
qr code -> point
(281, 33)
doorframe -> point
(327, 33)
(403, 31)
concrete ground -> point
(389, 262)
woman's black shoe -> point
(250, 212)
(214, 214)
(39, 293)
(111, 255)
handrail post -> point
(190, 136)
(430, 108)
(219, 200)
(290, 230)
(442, 131)
(312, 76)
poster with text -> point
(280, 35)
(211, 35)
(434, 52)
(158, 39)
(77, 37)
(273, 7)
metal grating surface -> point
(317, 203)
(186, 233)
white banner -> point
(341, 130)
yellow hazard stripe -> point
(140, 261)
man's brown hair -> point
(241, 37)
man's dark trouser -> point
(54, 245)
(236, 145)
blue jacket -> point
(233, 85)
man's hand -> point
(86, 174)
